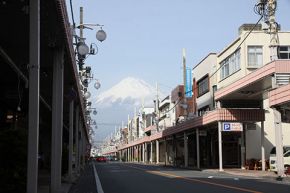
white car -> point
(286, 155)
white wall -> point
(206, 66)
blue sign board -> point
(232, 126)
(227, 127)
(188, 84)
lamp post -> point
(82, 48)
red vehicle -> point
(101, 159)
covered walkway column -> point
(157, 151)
(81, 145)
(243, 149)
(57, 120)
(143, 152)
(185, 150)
(151, 152)
(279, 142)
(263, 146)
(71, 135)
(140, 153)
(197, 149)
(220, 146)
(146, 152)
(33, 122)
(127, 154)
(166, 151)
(77, 139)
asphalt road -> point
(135, 178)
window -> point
(203, 85)
(284, 52)
(202, 111)
(230, 65)
(214, 89)
(255, 56)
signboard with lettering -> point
(188, 84)
(232, 126)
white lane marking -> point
(98, 182)
(223, 177)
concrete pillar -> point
(33, 111)
(220, 146)
(151, 152)
(263, 146)
(166, 152)
(143, 152)
(57, 121)
(80, 143)
(185, 150)
(197, 149)
(140, 153)
(279, 143)
(127, 154)
(243, 147)
(71, 134)
(174, 142)
(157, 152)
(77, 139)
(146, 153)
(129, 150)
(132, 153)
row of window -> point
(233, 63)
(255, 59)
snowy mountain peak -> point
(129, 91)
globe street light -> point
(97, 84)
(82, 48)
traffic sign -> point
(232, 126)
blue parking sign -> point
(227, 127)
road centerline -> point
(194, 180)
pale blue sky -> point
(145, 38)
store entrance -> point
(231, 149)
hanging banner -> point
(188, 84)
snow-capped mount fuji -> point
(129, 91)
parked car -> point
(101, 159)
(286, 156)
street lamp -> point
(97, 84)
(82, 48)
(101, 35)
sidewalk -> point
(44, 183)
(86, 181)
(265, 175)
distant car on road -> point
(112, 158)
(101, 159)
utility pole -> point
(273, 29)
(184, 84)
(157, 109)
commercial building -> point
(240, 95)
